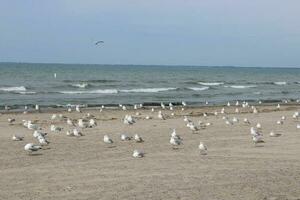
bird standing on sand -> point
(138, 138)
(202, 148)
(175, 142)
(138, 154)
(17, 138)
(125, 137)
(32, 147)
(160, 115)
(272, 134)
(107, 140)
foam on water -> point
(13, 88)
(147, 90)
(211, 83)
(105, 91)
(80, 85)
(241, 86)
(198, 89)
(280, 83)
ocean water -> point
(26, 84)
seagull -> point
(138, 139)
(107, 140)
(160, 115)
(279, 122)
(124, 137)
(175, 142)
(202, 148)
(42, 140)
(37, 107)
(128, 119)
(235, 120)
(31, 147)
(77, 108)
(228, 122)
(298, 126)
(255, 111)
(11, 120)
(162, 105)
(272, 134)
(257, 139)
(137, 154)
(70, 133)
(99, 42)
(54, 128)
(77, 133)
(92, 123)
(278, 106)
(82, 124)
(54, 117)
(183, 103)
(222, 111)
(36, 134)
(296, 115)
(258, 125)
(237, 110)
(254, 132)
(174, 135)
(193, 127)
(137, 113)
(148, 117)
(70, 122)
(185, 118)
(32, 126)
(246, 121)
(17, 138)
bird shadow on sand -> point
(111, 147)
(35, 154)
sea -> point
(69, 84)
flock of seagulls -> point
(76, 126)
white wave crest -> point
(280, 83)
(105, 91)
(80, 85)
(198, 89)
(149, 90)
(210, 84)
(242, 86)
(13, 89)
(24, 92)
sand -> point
(86, 168)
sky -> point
(152, 32)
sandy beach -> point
(87, 168)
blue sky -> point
(175, 32)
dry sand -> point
(85, 168)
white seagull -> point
(202, 148)
(138, 154)
(32, 147)
(138, 138)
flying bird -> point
(99, 42)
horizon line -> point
(148, 65)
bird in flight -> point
(99, 42)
